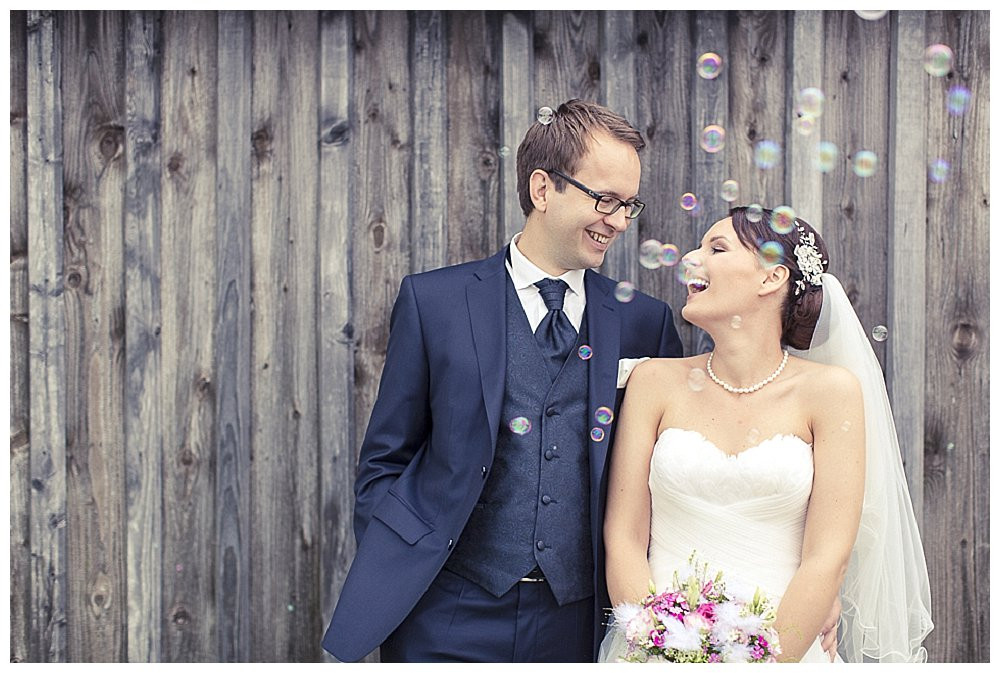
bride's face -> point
(723, 277)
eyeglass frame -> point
(598, 197)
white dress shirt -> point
(524, 275)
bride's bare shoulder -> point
(660, 371)
(827, 381)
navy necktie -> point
(555, 334)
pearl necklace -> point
(751, 389)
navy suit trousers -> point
(456, 620)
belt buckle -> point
(535, 575)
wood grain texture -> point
(804, 184)
(516, 111)
(188, 303)
(956, 448)
(20, 448)
(566, 57)
(477, 156)
(94, 181)
(335, 331)
(144, 376)
(46, 343)
(233, 324)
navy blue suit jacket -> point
(433, 430)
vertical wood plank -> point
(47, 343)
(516, 113)
(619, 94)
(284, 499)
(188, 351)
(477, 154)
(956, 443)
(907, 300)
(232, 334)
(429, 193)
(335, 331)
(93, 190)
(664, 67)
(144, 376)
(20, 455)
(566, 49)
(804, 184)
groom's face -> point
(576, 236)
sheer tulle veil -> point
(886, 594)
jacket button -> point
(546, 499)
(451, 543)
(484, 471)
(551, 411)
(548, 454)
(540, 545)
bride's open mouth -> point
(696, 285)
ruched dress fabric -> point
(743, 514)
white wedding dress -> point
(743, 514)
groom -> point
(480, 489)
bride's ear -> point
(774, 280)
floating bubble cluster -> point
(938, 171)
(624, 292)
(689, 201)
(709, 65)
(696, 379)
(958, 99)
(755, 212)
(597, 434)
(713, 138)
(604, 415)
(938, 59)
(826, 156)
(871, 14)
(865, 163)
(770, 253)
(766, 154)
(649, 253)
(520, 425)
(669, 254)
(585, 352)
(730, 191)
(783, 220)
(880, 333)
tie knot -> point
(553, 292)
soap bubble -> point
(938, 171)
(871, 14)
(810, 101)
(845, 426)
(880, 333)
(937, 60)
(597, 434)
(545, 115)
(736, 322)
(766, 154)
(753, 436)
(696, 379)
(504, 152)
(958, 99)
(685, 269)
(585, 352)
(865, 163)
(771, 253)
(826, 156)
(713, 138)
(649, 253)
(669, 254)
(804, 125)
(624, 292)
(520, 425)
(730, 191)
(709, 65)
(604, 415)
(754, 212)
(688, 201)
(783, 220)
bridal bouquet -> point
(698, 621)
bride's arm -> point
(626, 520)
(834, 510)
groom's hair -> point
(799, 312)
(560, 144)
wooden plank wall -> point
(211, 214)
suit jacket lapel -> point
(604, 327)
(487, 299)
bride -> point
(773, 457)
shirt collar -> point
(524, 273)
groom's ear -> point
(539, 186)
(774, 280)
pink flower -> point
(706, 610)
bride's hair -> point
(799, 312)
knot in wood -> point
(111, 144)
(74, 278)
(594, 71)
(964, 340)
(181, 617)
(336, 133)
(175, 163)
(378, 231)
(187, 457)
(261, 141)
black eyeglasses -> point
(604, 204)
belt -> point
(535, 575)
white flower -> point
(735, 653)
(682, 637)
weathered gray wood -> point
(20, 560)
(232, 334)
(907, 223)
(429, 193)
(188, 303)
(957, 447)
(566, 49)
(804, 183)
(285, 532)
(477, 155)
(516, 112)
(47, 343)
(335, 331)
(94, 181)
(144, 377)
(664, 64)
(619, 94)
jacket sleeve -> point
(400, 419)
(670, 342)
